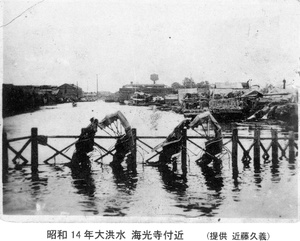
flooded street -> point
(271, 193)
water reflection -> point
(209, 200)
(213, 177)
(85, 185)
(173, 182)
(257, 178)
(275, 171)
(214, 182)
(125, 179)
(37, 184)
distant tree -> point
(176, 85)
(203, 84)
(188, 83)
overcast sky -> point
(64, 41)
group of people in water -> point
(124, 143)
(85, 145)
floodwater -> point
(206, 194)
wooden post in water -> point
(256, 148)
(184, 152)
(4, 155)
(34, 150)
(134, 149)
(274, 146)
(291, 146)
(234, 150)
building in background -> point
(201, 92)
(70, 92)
(225, 90)
(127, 91)
(23, 98)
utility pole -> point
(97, 87)
(77, 89)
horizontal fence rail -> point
(274, 149)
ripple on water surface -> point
(270, 192)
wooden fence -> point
(274, 149)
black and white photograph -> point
(150, 111)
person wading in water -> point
(84, 145)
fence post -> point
(291, 146)
(4, 155)
(134, 149)
(234, 139)
(184, 152)
(256, 148)
(34, 150)
(274, 146)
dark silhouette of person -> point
(84, 145)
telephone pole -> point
(97, 88)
